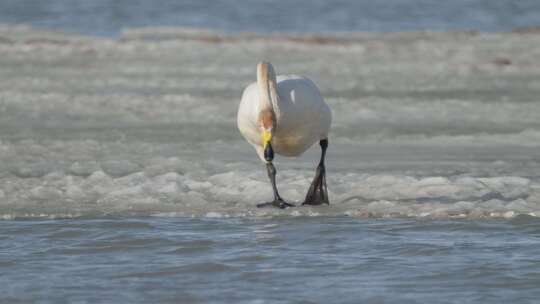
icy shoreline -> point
(426, 124)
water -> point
(109, 17)
(283, 260)
(123, 177)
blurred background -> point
(108, 17)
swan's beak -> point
(268, 151)
(266, 137)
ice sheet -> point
(425, 124)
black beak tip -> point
(268, 153)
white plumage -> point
(301, 115)
(287, 115)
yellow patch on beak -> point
(267, 137)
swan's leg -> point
(317, 193)
(278, 201)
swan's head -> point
(267, 125)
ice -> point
(33, 170)
(76, 194)
(508, 187)
(134, 179)
(83, 168)
(520, 206)
(45, 193)
(119, 167)
(236, 194)
(425, 124)
(159, 166)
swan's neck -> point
(266, 81)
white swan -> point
(286, 115)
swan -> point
(285, 115)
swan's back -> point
(302, 116)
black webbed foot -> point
(278, 201)
(317, 193)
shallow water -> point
(123, 177)
(282, 260)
